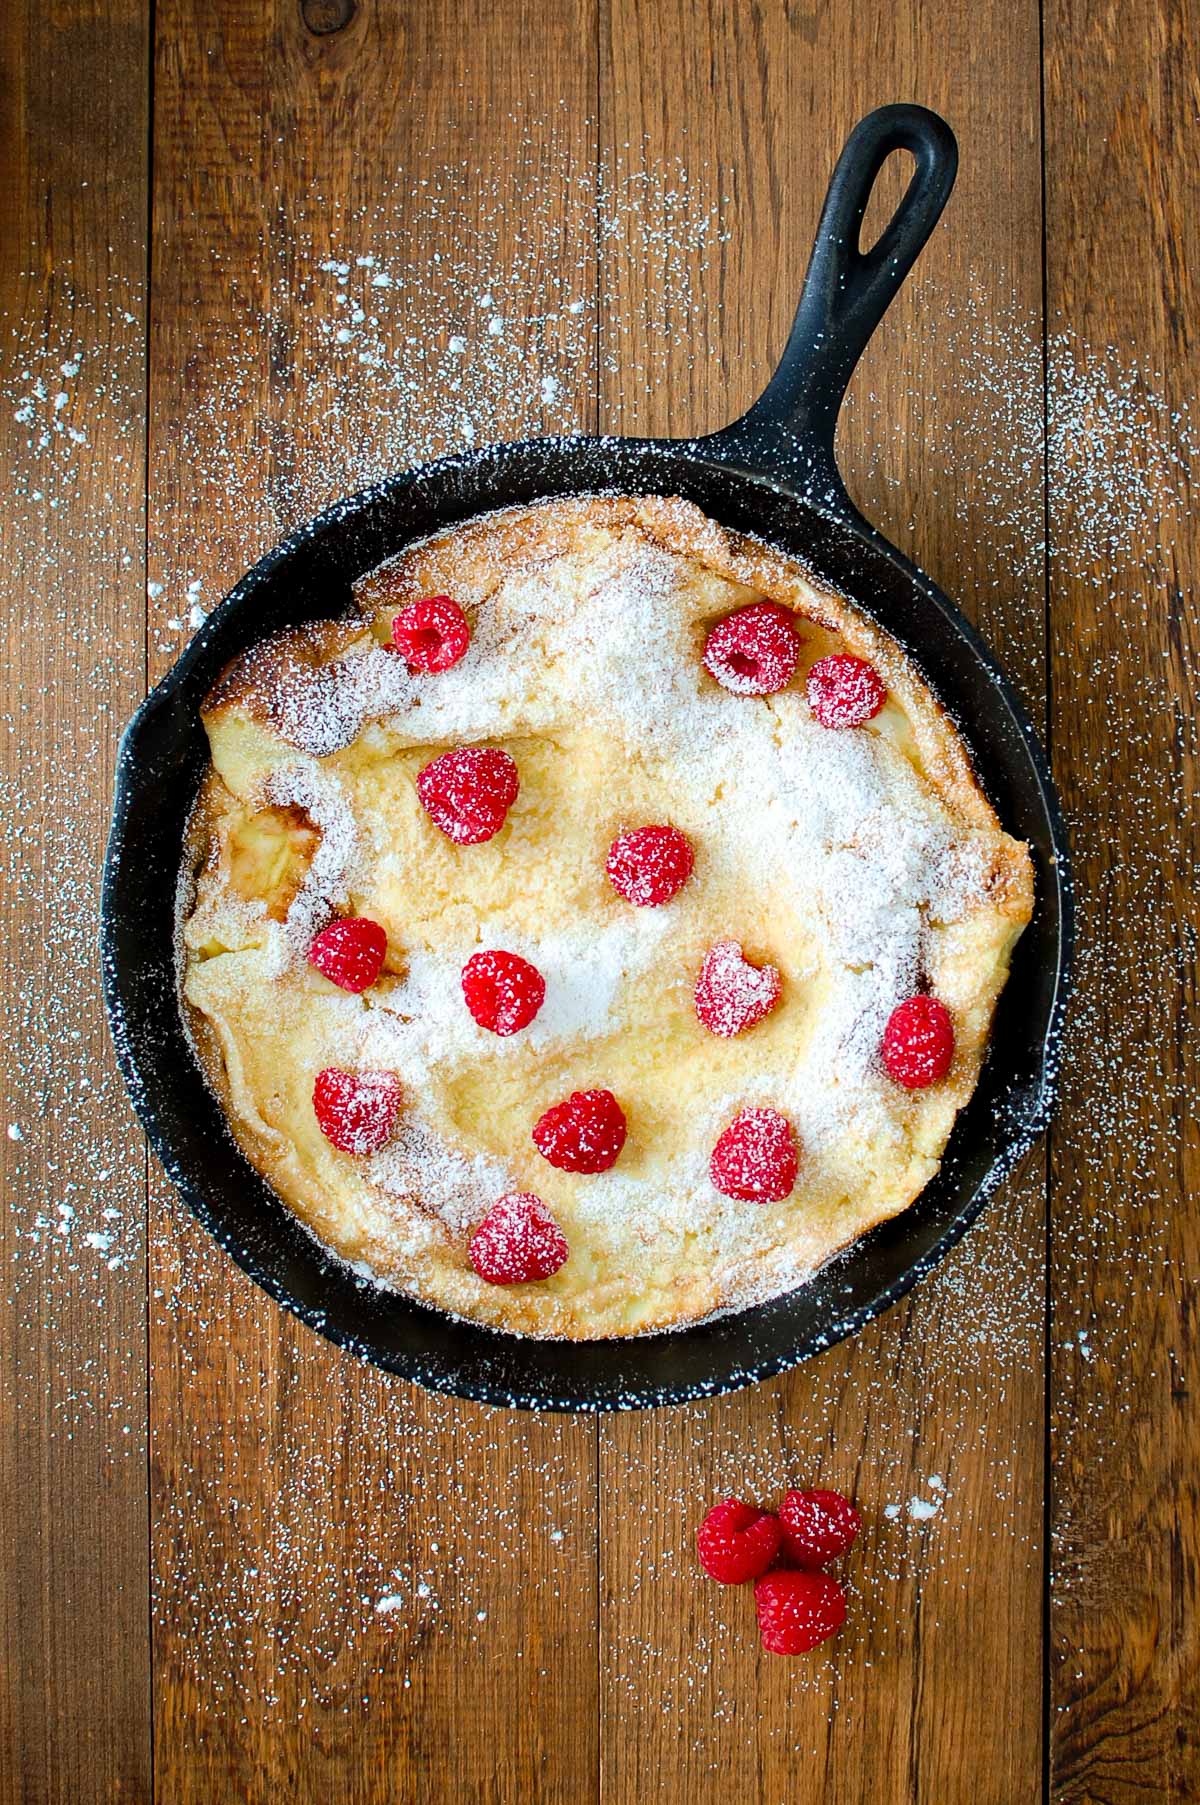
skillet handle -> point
(789, 430)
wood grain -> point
(364, 1593)
(295, 1491)
(1122, 246)
(934, 1692)
(74, 1681)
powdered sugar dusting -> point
(732, 994)
(588, 971)
(319, 794)
(419, 1166)
(422, 1023)
(320, 709)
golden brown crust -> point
(476, 556)
(259, 679)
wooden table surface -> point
(241, 1566)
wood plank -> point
(934, 1692)
(363, 1593)
(1122, 207)
(74, 1645)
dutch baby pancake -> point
(598, 930)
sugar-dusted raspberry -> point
(468, 792)
(649, 864)
(918, 1042)
(356, 1111)
(756, 1159)
(517, 1242)
(817, 1527)
(736, 1542)
(844, 691)
(585, 1133)
(431, 635)
(798, 1611)
(755, 651)
(732, 994)
(503, 991)
(350, 952)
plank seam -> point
(147, 313)
(1047, 729)
(600, 13)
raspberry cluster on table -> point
(799, 1605)
(467, 793)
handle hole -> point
(887, 192)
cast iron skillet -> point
(771, 473)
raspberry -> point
(756, 1158)
(918, 1042)
(735, 1542)
(350, 952)
(431, 635)
(732, 994)
(356, 1111)
(844, 691)
(517, 1241)
(817, 1527)
(755, 651)
(649, 864)
(503, 991)
(468, 792)
(797, 1611)
(583, 1134)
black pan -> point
(772, 473)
